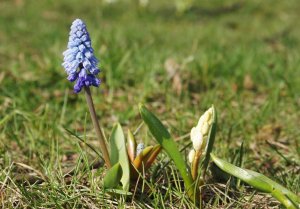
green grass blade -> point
(113, 177)
(164, 138)
(260, 182)
(239, 163)
(118, 192)
(118, 154)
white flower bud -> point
(200, 132)
(206, 117)
(201, 121)
(205, 128)
(191, 155)
(196, 137)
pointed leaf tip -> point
(131, 146)
(141, 105)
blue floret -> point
(79, 61)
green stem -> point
(195, 165)
(99, 133)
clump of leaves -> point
(127, 162)
(203, 136)
(163, 137)
(140, 159)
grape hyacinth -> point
(79, 60)
(81, 66)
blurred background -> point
(178, 57)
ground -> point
(241, 56)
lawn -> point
(242, 57)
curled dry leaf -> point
(177, 84)
(248, 83)
(172, 69)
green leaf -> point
(260, 182)
(164, 138)
(210, 142)
(113, 177)
(118, 192)
(118, 154)
(279, 192)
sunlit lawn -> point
(245, 60)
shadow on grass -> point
(196, 12)
(170, 13)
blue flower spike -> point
(81, 67)
(79, 61)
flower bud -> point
(205, 128)
(206, 117)
(196, 137)
(140, 147)
(200, 132)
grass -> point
(244, 60)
